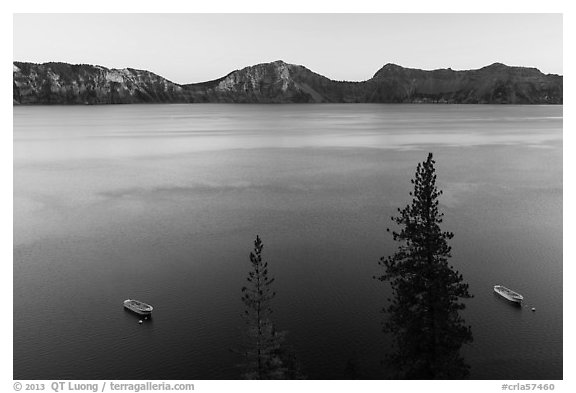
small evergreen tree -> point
(423, 315)
(263, 354)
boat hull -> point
(138, 311)
(138, 307)
(508, 294)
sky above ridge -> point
(188, 48)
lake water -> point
(162, 203)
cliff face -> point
(279, 82)
(494, 84)
(61, 83)
(275, 82)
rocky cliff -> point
(61, 83)
(494, 84)
(279, 82)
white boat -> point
(138, 307)
(508, 294)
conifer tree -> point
(423, 314)
(263, 353)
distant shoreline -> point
(282, 83)
(16, 104)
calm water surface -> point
(162, 203)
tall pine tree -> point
(423, 314)
(263, 350)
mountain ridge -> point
(281, 82)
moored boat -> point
(138, 307)
(508, 294)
